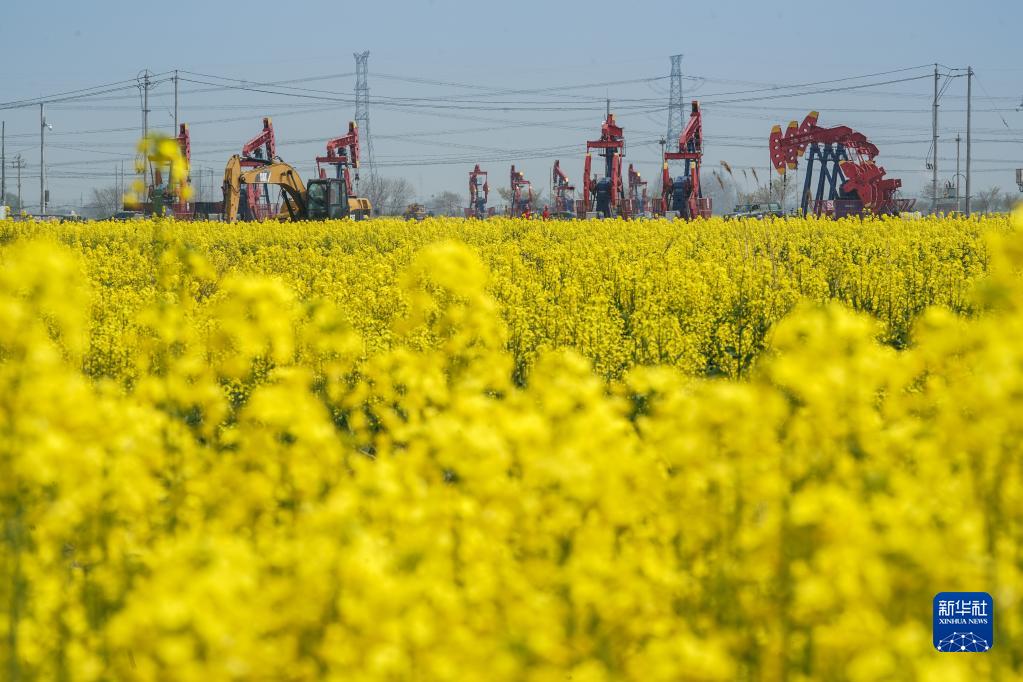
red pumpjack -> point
(521, 195)
(343, 154)
(479, 193)
(562, 193)
(163, 196)
(639, 204)
(684, 194)
(260, 151)
(606, 196)
(849, 181)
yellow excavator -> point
(323, 198)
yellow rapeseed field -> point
(508, 450)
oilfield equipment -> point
(261, 150)
(682, 196)
(562, 193)
(842, 173)
(521, 195)
(842, 178)
(343, 154)
(168, 198)
(323, 198)
(639, 203)
(479, 194)
(848, 181)
(604, 197)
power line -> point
(818, 92)
(47, 99)
(987, 96)
(773, 87)
(514, 91)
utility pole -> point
(19, 164)
(143, 80)
(175, 101)
(145, 103)
(934, 146)
(958, 207)
(969, 132)
(3, 163)
(42, 160)
(784, 180)
(608, 106)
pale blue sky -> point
(434, 137)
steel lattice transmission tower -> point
(362, 109)
(675, 111)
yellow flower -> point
(506, 449)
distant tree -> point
(719, 187)
(779, 189)
(725, 191)
(535, 205)
(104, 202)
(448, 203)
(988, 200)
(11, 200)
(538, 200)
(946, 198)
(389, 196)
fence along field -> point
(508, 449)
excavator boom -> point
(277, 173)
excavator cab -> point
(326, 198)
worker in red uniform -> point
(546, 212)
